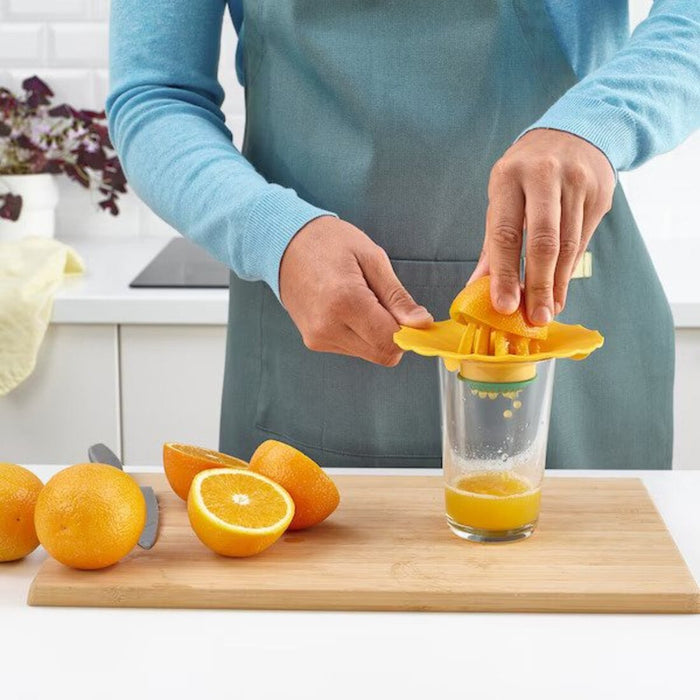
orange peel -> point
(473, 305)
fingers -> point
(389, 356)
(543, 211)
(504, 237)
(353, 345)
(570, 245)
(582, 212)
(482, 267)
(374, 327)
(388, 289)
(344, 340)
(361, 328)
(325, 275)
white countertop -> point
(101, 654)
(102, 295)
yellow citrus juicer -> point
(495, 352)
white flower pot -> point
(39, 200)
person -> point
(382, 140)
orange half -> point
(183, 462)
(236, 512)
(473, 304)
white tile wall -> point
(22, 43)
(100, 9)
(45, 10)
(78, 44)
(65, 42)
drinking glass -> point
(494, 445)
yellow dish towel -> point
(31, 270)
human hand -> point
(340, 290)
(558, 187)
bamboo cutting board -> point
(600, 546)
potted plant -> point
(39, 141)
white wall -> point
(65, 43)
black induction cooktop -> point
(183, 264)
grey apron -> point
(392, 114)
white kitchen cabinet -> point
(171, 379)
(70, 401)
(686, 443)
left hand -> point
(558, 187)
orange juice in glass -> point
(494, 446)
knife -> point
(102, 454)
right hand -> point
(340, 290)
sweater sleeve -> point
(167, 126)
(645, 100)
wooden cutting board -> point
(600, 546)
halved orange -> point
(473, 303)
(313, 491)
(183, 462)
(238, 513)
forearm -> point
(166, 123)
(646, 99)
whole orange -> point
(19, 489)
(90, 516)
(183, 462)
(314, 494)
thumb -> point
(392, 295)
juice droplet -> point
(507, 414)
(493, 395)
(517, 404)
(482, 394)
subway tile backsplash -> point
(78, 44)
(22, 43)
(47, 10)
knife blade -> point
(150, 530)
(102, 454)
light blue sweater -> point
(638, 96)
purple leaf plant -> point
(36, 137)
